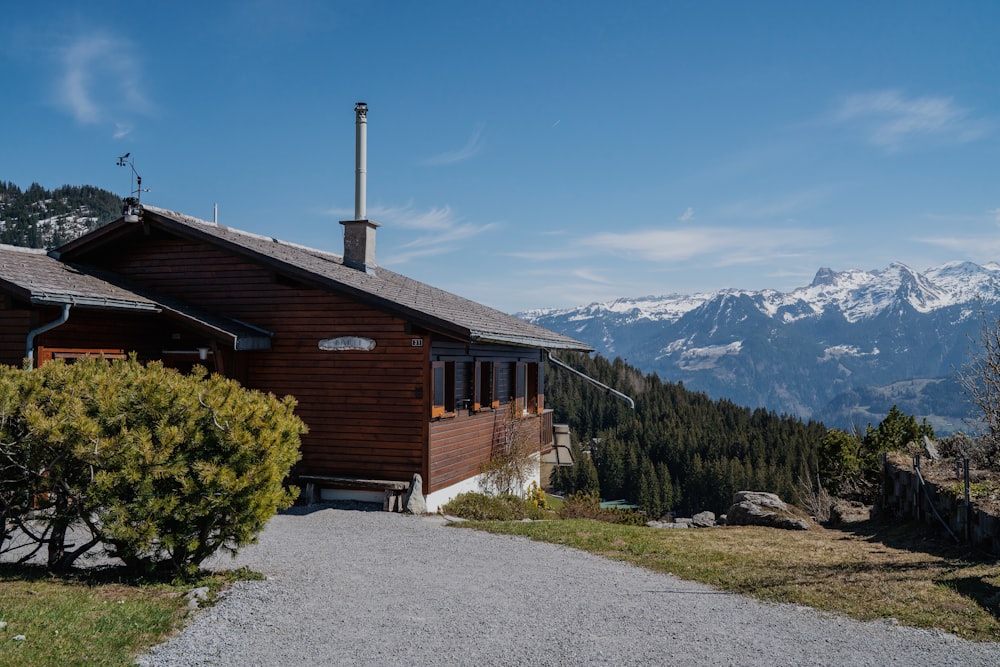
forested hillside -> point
(678, 450)
(40, 218)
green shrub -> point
(588, 506)
(850, 466)
(163, 468)
(481, 507)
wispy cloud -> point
(439, 230)
(100, 82)
(687, 215)
(890, 119)
(716, 246)
(780, 206)
(978, 240)
(471, 148)
(979, 247)
(592, 276)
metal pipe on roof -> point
(361, 160)
(30, 345)
(591, 380)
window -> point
(443, 388)
(534, 389)
(464, 391)
(520, 387)
(505, 372)
(71, 354)
(485, 386)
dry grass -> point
(870, 572)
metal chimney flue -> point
(359, 234)
(361, 160)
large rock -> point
(703, 520)
(415, 501)
(930, 449)
(843, 512)
(756, 508)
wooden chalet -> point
(392, 376)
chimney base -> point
(359, 244)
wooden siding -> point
(14, 327)
(147, 334)
(97, 329)
(459, 445)
(367, 411)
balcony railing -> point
(545, 433)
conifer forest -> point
(679, 451)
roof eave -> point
(530, 341)
(261, 340)
(56, 299)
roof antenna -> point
(132, 207)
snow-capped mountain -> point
(842, 349)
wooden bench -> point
(395, 491)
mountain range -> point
(843, 349)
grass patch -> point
(554, 502)
(102, 617)
(871, 572)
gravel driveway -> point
(373, 588)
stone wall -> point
(903, 498)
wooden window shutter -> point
(477, 386)
(494, 384)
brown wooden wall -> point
(15, 324)
(142, 333)
(366, 411)
(458, 445)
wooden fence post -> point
(968, 504)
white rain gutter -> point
(30, 345)
(591, 380)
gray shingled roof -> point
(419, 302)
(34, 276)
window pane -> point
(439, 386)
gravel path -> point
(374, 588)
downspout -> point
(30, 345)
(591, 380)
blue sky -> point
(535, 154)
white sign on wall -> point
(347, 343)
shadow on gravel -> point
(351, 505)
(109, 574)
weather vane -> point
(132, 205)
